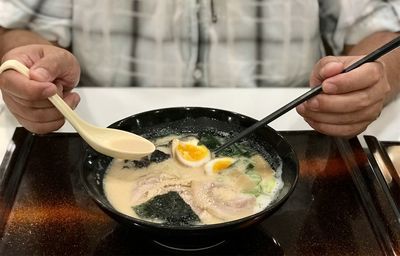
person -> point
(222, 43)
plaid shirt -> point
(220, 43)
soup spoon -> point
(309, 94)
(111, 142)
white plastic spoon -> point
(111, 142)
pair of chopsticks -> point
(311, 93)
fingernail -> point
(329, 88)
(300, 108)
(49, 91)
(76, 102)
(59, 88)
(40, 74)
(313, 103)
(309, 121)
(334, 64)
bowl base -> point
(186, 247)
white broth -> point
(210, 189)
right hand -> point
(52, 70)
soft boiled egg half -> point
(218, 165)
(189, 153)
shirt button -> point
(197, 74)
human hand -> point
(52, 70)
(350, 101)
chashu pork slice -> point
(222, 201)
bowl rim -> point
(270, 209)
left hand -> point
(350, 101)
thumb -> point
(41, 74)
(59, 67)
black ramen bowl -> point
(162, 122)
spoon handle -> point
(57, 101)
(311, 93)
(67, 112)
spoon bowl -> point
(111, 142)
(117, 143)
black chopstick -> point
(311, 93)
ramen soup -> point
(182, 183)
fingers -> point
(33, 114)
(360, 78)
(347, 102)
(58, 66)
(48, 63)
(350, 101)
(341, 124)
(21, 87)
(52, 70)
(341, 115)
(368, 114)
(40, 119)
(45, 113)
(39, 127)
(353, 91)
(325, 68)
(339, 130)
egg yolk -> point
(221, 165)
(192, 152)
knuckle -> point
(375, 112)
(364, 99)
(376, 71)
(386, 88)
(64, 54)
(327, 59)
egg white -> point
(210, 166)
(179, 156)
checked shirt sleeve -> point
(49, 18)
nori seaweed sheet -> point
(170, 208)
(156, 157)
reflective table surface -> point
(339, 207)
